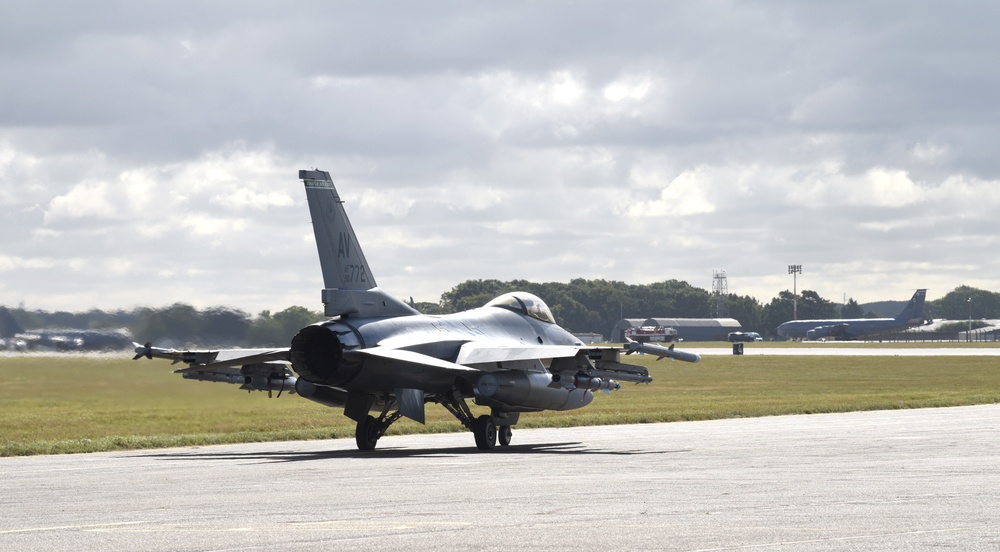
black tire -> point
(367, 433)
(485, 431)
(504, 433)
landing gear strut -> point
(484, 428)
(370, 429)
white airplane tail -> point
(349, 286)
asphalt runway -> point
(907, 479)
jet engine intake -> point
(318, 354)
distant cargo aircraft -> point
(912, 315)
(378, 354)
(15, 337)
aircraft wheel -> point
(367, 433)
(485, 431)
(504, 433)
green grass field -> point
(62, 404)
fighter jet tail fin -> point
(349, 286)
(914, 310)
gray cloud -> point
(148, 150)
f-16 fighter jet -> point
(379, 359)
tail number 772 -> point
(355, 273)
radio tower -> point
(720, 289)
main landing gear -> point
(484, 428)
(485, 432)
(504, 433)
(370, 429)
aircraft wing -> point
(201, 360)
(484, 352)
(251, 369)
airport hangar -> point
(688, 329)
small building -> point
(688, 329)
(589, 338)
(654, 334)
(987, 333)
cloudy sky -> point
(149, 150)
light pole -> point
(793, 270)
(968, 335)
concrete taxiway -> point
(834, 350)
(909, 479)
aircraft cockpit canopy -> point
(524, 303)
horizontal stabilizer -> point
(411, 357)
(412, 370)
(242, 358)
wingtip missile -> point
(142, 350)
(150, 352)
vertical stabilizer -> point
(914, 310)
(343, 263)
(349, 286)
(8, 326)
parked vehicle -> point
(735, 337)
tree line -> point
(182, 325)
(579, 306)
(597, 305)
